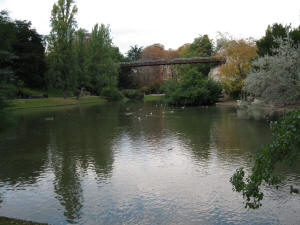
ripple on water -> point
(96, 165)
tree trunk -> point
(64, 93)
(79, 94)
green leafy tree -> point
(79, 61)
(102, 60)
(201, 47)
(267, 43)
(284, 148)
(29, 66)
(192, 89)
(134, 53)
(7, 38)
(60, 43)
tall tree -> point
(79, 61)
(60, 43)
(102, 59)
(7, 37)
(29, 66)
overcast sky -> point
(169, 22)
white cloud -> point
(169, 22)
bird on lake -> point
(294, 190)
(170, 149)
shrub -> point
(283, 148)
(276, 79)
(111, 94)
(133, 94)
(192, 89)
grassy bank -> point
(153, 98)
(59, 101)
(54, 101)
(7, 221)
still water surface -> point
(136, 163)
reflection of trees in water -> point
(23, 153)
(236, 139)
(218, 127)
(75, 141)
(67, 184)
(80, 139)
(193, 126)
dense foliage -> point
(192, 89)
(29, 65)
(238, 55)
(202, 46)
(134, 53)
(111, 93)
(102, 60)
(60, 43)
(267, 43)
(7, 37)
(276, 79)
(133, 94)
(285, 147)
(21, 54)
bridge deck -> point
(173, 61)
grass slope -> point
(54, 101)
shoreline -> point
(6, 220)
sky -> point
(168, 22)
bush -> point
(193, 89)
(283, 148)
(276, 79)
(111, 94)
(133, 94)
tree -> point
(201, 47)
(192, 89)
(29, 66)
(7, 38)
(267, 43)
(276, 79)
(238, 55)
(134, 53)
(60, 43)
(222, 40)
(102, 60)
(284, 148)
(79, 61)
(152, 77)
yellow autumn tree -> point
(238, 54)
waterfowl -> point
(294, 190)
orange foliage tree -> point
(238, 54)
(152, 77)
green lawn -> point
(54, 101)
(153, 98)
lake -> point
(136, 163)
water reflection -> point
(133, 163)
